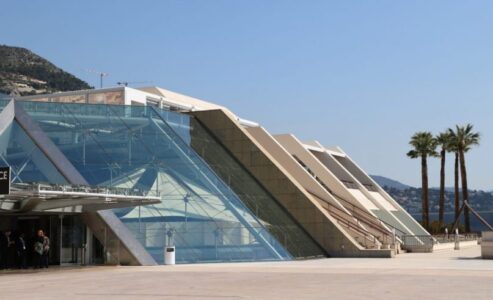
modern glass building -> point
(153, 152)
(116, 175)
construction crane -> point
(126, 83)
(101, 75)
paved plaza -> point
(445, 274)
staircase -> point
(366, 230)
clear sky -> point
(363, 75)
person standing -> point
(41, 250)
(46, 250)
(21, 248)
(6, 250)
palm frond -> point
(423, 144)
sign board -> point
(4, 180)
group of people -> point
(15, 250)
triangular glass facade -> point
(281, 225)
(134, 147)
(26, 161)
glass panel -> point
(27, 161)
(73, 238)
(279, 223)
(132, 147)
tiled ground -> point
(445, 274)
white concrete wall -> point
(312, 187)
(295, 147)
(133, 96)
(385, 201)
(292, 166)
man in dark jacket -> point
(10, 249)
(21, 248)
(6, 250)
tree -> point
(443, 140)
(424, 146)
(453, 148)
(465, 139)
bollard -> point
(446, 233)
(456, 243)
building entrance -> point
(67, 234)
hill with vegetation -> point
(410, 197)
(387, 182)
(23, 72)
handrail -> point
(354, 207)
(349, 226)
(362, 213)
(418, 240)
(447, 238)
(366, 234)
(365, 213)
(384, 234)
(325, 187)
(365, 221)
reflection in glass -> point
(280, 224)
(133, 147)
(27, 162)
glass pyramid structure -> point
(208, 217)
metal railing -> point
(425, 241)
(450, 238)
(362, 214)
(115, 191)
(344, 218)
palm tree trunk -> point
(441, 204)
(456, 186)
(465, 192)
(424, 192)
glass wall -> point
(27, 162)
(259, 201)
(133, 147)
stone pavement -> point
(446, 274)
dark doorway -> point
(29, 225)
(67, 235)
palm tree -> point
(453, 148)
(424, 146)
(465, 139)
(443, 140)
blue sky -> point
(363, 75)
